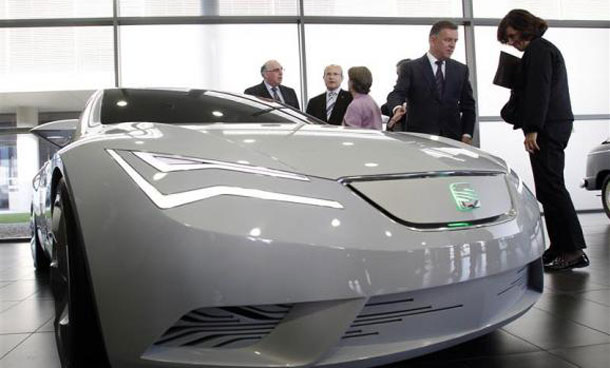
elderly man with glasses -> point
(271, 87)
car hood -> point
(323, 151)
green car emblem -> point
(465, 197)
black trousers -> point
(548, 164)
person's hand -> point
(530, 143)
(466, 139)
(395, 118)
(400, 110)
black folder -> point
(508, 71)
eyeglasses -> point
(276, 70)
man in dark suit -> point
(330, 106)
(436, 90)
(271, 87)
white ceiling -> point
(48, 101)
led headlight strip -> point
(170, 163)
(166, 201)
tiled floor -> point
(568, 327)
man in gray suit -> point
(435, 90)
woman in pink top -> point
(362, 112)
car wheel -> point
(606, 195)
(41, 261)
(77, 332)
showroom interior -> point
(54, 54)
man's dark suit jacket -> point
(544, 96)
(260, 90)
(450, 115)
(317, 107)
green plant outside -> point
(14, 218)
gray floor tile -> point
(426, 364)
(37, 351)
(17, 273)
(547, 331)
(47, 327)
(27, 316)
(598, 296)
(530, 360)
(595, 356)
(577, 309)
(9, 342)
(496, 343)
(6, 305)
(571, 281)
(600, 278)
(19, 290)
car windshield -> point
(193, 107)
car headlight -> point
(170, 163)
(516, 179)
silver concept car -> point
(598, 173)
(199, 228)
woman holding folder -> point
(542, 109)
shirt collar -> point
(431, 58)
(433, 64)
(336, 90)
(270, 87)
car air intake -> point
(225, 327)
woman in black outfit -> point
(544, 112)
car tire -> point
(606, 195)
(41, 261)
(77, 332)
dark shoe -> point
(549, 256)
(560, 264)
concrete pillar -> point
(20, 194)
(27, 161)
(27, 116)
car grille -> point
(387, 310)
(453, 200)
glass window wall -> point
(384, 8)
(41, 9)
(20, 158)
(547, 9)
(224, 57)
(58, 58)
(148, 8)
(373, 46)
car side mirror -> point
(58, 133)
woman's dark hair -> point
(526, 23)
(361, 78)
